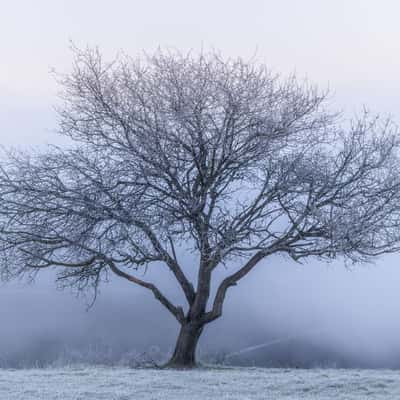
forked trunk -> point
(185, 349)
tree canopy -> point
(183, 152)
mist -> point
(305, 315)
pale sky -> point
(353, 46)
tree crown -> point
(215, 156)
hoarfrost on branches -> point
(196, 153)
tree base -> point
(173, 364)
(184, 356)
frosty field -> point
(90, 383)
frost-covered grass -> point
(89, 383)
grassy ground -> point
(90, 383)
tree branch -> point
(229, 281)
(177, 312)
(172, 262)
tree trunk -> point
(185, 349)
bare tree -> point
(219, 158)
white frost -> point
(90, 383)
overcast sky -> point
(351, 46)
